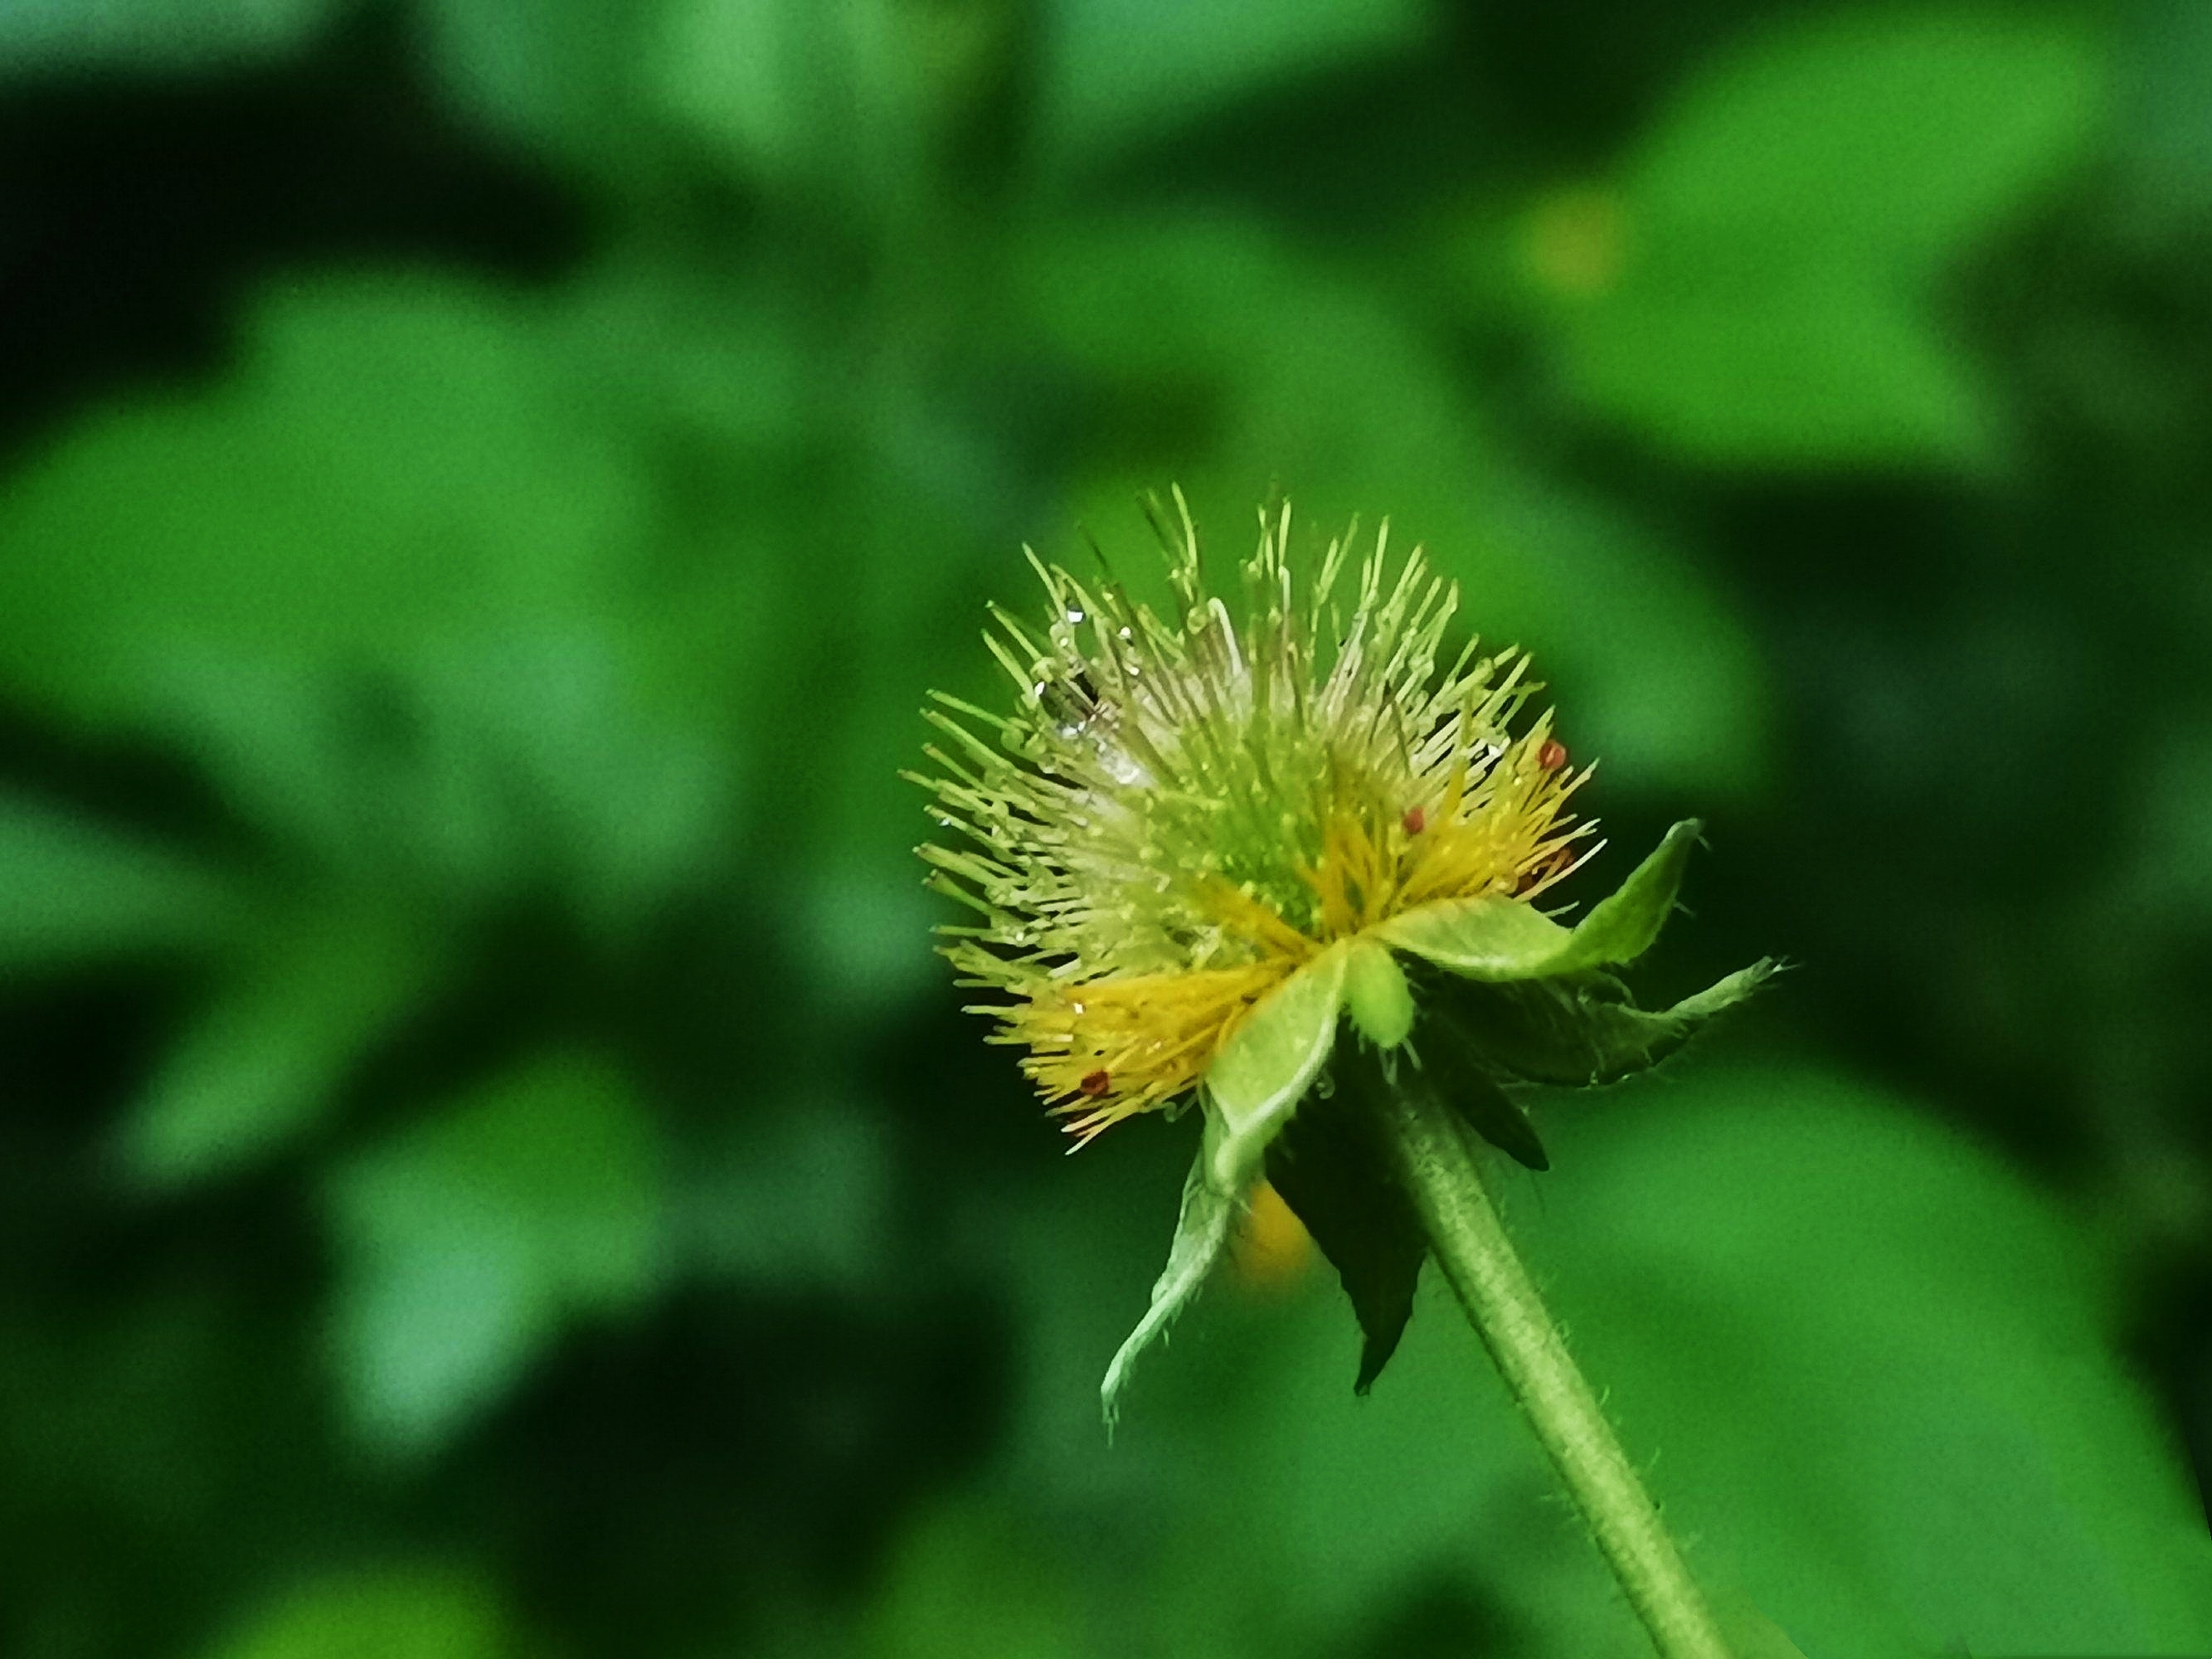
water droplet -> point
(1075, 617)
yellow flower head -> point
(1185, 811)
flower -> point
(1202, 839)
(1185, 812)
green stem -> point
(1470, 1240)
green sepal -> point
(1202, 1229)
(1461, 1075)
(1502, 939)
(1268, 1064)
(1375, 994)
(1578, 1029)
(1332, 1167)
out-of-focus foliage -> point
(1761, 287)
(490, 1165)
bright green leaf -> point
(1624, 924)
(1498, 938)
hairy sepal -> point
(1375, 994)
(1203, 1225)
(1502, 939)
(1457, 1071)
(1269, 1062)
(1580, 1031)
(1334, 1169)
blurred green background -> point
(489, 1167)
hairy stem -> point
(1470, 1240)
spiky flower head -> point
(1198, 838)
(1184, 811)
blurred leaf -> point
(619, 801)
(1879, 1370)
(800, 1197)
(1898, 138)
(266, 1060)
(2166, 135)
(1307, 383)
(836, 97)
(474, 768)
(1658, 670)
(1779, 366)
(769, 81)
(560, 76)
(1117, 71)
(50, 35)
(2172, 862)
(969, 1584)
(73, 891)
(424, 1613)
(1766, 297)
(397, 460)
(470, 1239)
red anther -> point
(1552, 756)
(1095, 1083)
(1415, 821)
